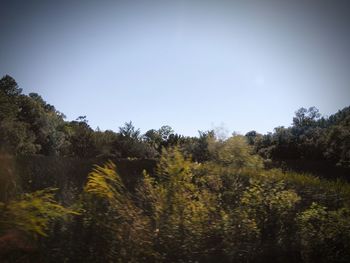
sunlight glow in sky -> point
(192, 65)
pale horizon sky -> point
(193, 65)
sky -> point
(193, 65)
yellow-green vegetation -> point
(324, 234)
(109, 211)
(181, 211)
(28, 221)
(228, 209)
(32, 213)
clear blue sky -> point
(192, 65)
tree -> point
(104, 142)
(200, 150)
(15, 134)
(165, 131)
(306, 117)
(129, 131)
(16, 138)
(153, 138)
(236, 153)
(158, 139)
(251, 137)
(81, 138)
(129, 143)
(8, 98)
(9, 86)
(44, 121)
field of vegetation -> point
(69, 193)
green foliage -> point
(324, 235)
(310, 138)
(103, 142)
(264, 199)
(29, 125)
(181, 211)
(224, 205)
(44, 121)
(32, 213)
(338, 143)
(190, 211)
(240, 236)
(16, 138)
(272, 207)
(129, 143)
(104, 183)
(81, 139)
(306, 117)
(158, 138)
(119, 227)
(9, 86)
(236, 153)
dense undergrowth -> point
(228, 209)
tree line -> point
(310, 137)
(29, 125)
(208, 199)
